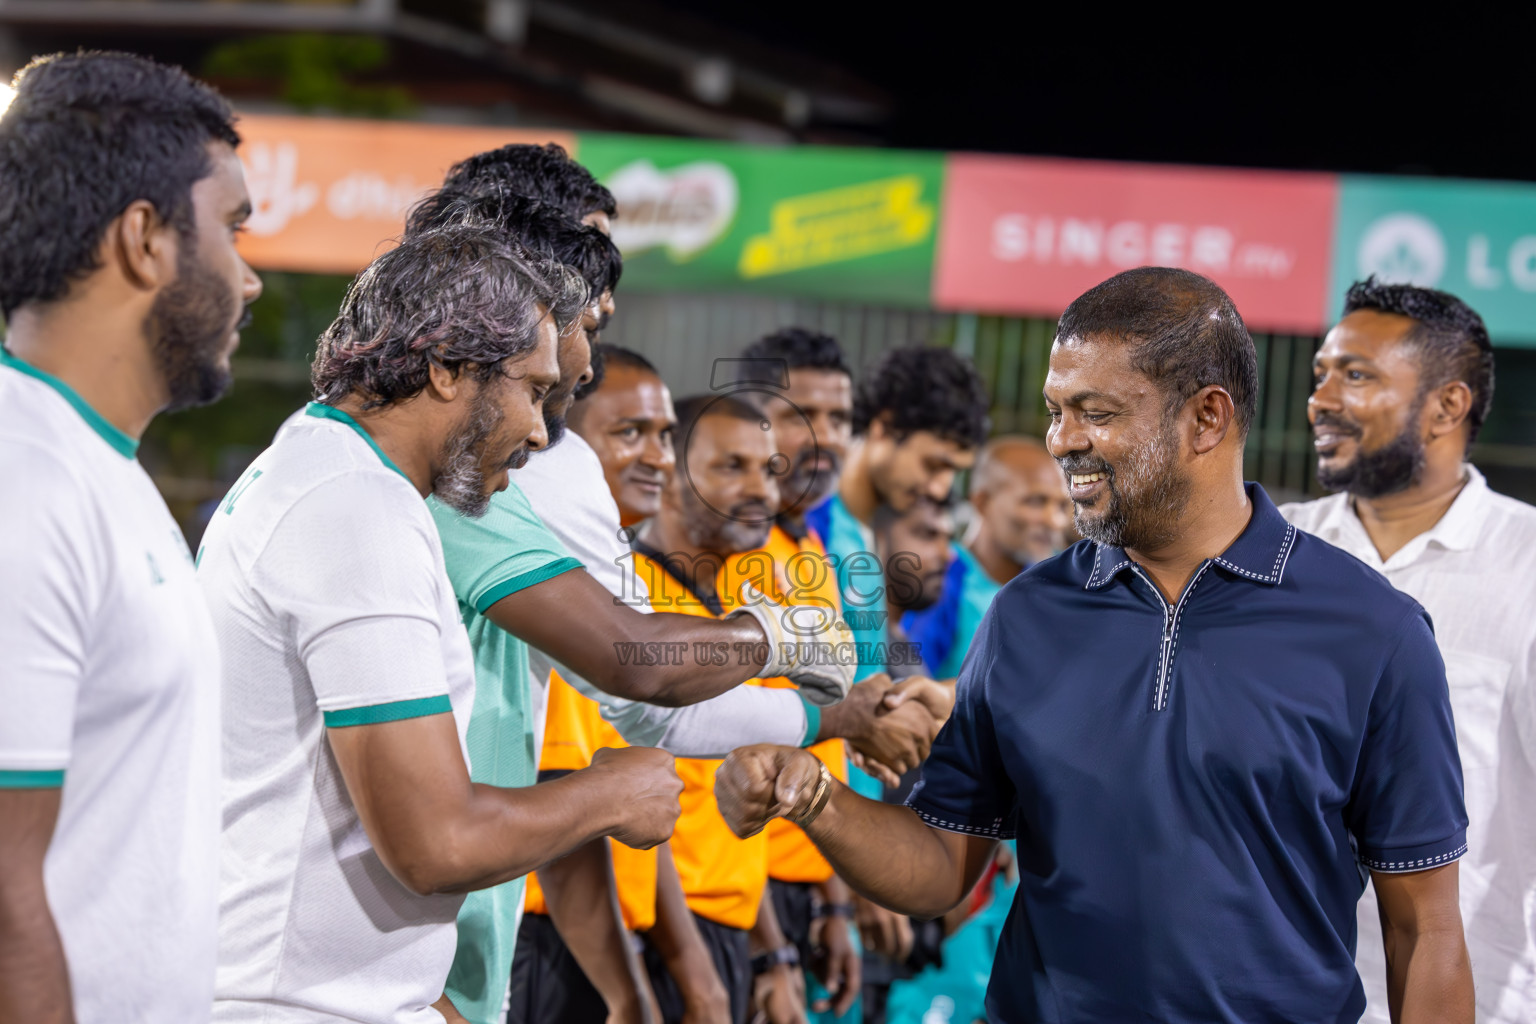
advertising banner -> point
(328, 194)
(851, 224)
(1476, 240)
(1026, 236)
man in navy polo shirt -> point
(1203, 726)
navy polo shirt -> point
(1197, 788)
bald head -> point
(1021, 501)
(1008, 458)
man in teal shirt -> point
(484, 568)
(1023, 516)
(918, 419)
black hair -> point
(86, 135)
(1450, 338)
(797, 348)
(459, 298)
(618, 355)
(695, 407)
(540, 226)
(546, 173)
(930, 389)
(1185, 332)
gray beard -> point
(1145, 514)
(460, 483)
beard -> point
(1395, 466)
(806, 486)
(744, 527)
(554, 426)
(598, 369)
(1145, 496)
(460, 483)
(919, 595)
(189, 325)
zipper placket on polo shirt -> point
(1170, 631)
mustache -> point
(815, 460)
(519, 457)
(645, 474)
(751, 509)
(1337, 422)
(245, 319)
(1080, 464)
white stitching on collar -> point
(1282, 557)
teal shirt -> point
(977, 590)
(860, 579)
(861, 585)
(505, 551)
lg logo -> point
(1407, 248)
(1403, 248)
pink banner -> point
(1027, 236)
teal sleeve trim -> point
(32, 780)
(392, 712)
(526, 580)
(124, 445)
(812, 722)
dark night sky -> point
(1267, 87)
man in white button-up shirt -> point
(1403, 383)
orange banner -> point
(330, 194)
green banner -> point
(1476, 240)
(851, 224)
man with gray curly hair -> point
(351, 825)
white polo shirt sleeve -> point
(52, 580)
(367, 628)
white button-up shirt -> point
(1475, 573)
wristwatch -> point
(833, 910)
(765, 962)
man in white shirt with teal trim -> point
(120, 196)
(351, 825)
(1403, 384)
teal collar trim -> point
(126, 446)
(330, 412)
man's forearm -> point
(710, 729)
(676, 937)
(583, 903)
(1429, 978)
(886, 853)
(34, 977)
(627, 653)
(505, 834)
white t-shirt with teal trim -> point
(325, 579)
(109, 686)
